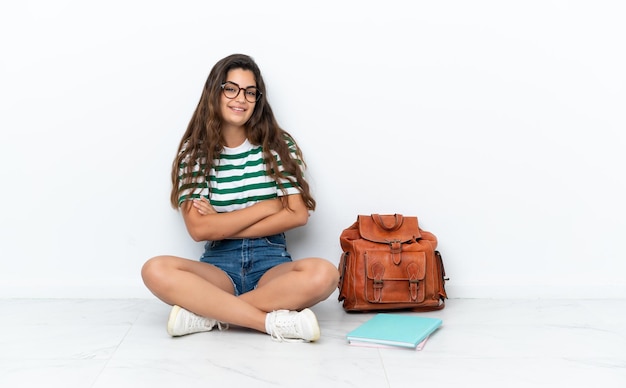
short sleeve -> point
(194, 188)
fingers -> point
(203, 206)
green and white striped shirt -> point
(237, 180)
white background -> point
(499, 124)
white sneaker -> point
(285, 325)
(183, 322)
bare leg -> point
(200, 288)
(207, 291)
(294, 285)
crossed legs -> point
(207, 291)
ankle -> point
(269, 321)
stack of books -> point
(394, 330)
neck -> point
(234, 137)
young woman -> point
(238, 182)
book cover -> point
(419, 346)
(394, 330)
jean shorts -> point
(246, 260)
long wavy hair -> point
(203, 138)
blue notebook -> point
(394, 330)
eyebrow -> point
(244, 87)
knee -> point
(325, 276)
(154, 271)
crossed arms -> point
(264, 218)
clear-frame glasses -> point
(231, 90)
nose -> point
(241, 95)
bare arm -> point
(218, 226)
(282, 220)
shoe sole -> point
(171, 320)
(312, 318)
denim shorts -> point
(246, 260)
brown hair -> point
(203, 139)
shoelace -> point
(196, 321)
(284, 325)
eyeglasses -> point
(231, 90)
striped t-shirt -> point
(237, 180)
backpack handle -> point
(397, 221)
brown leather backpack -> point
(389, 263)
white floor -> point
(482, 343)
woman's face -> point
(238, 109)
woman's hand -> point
(203, 206)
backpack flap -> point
(388, 228)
